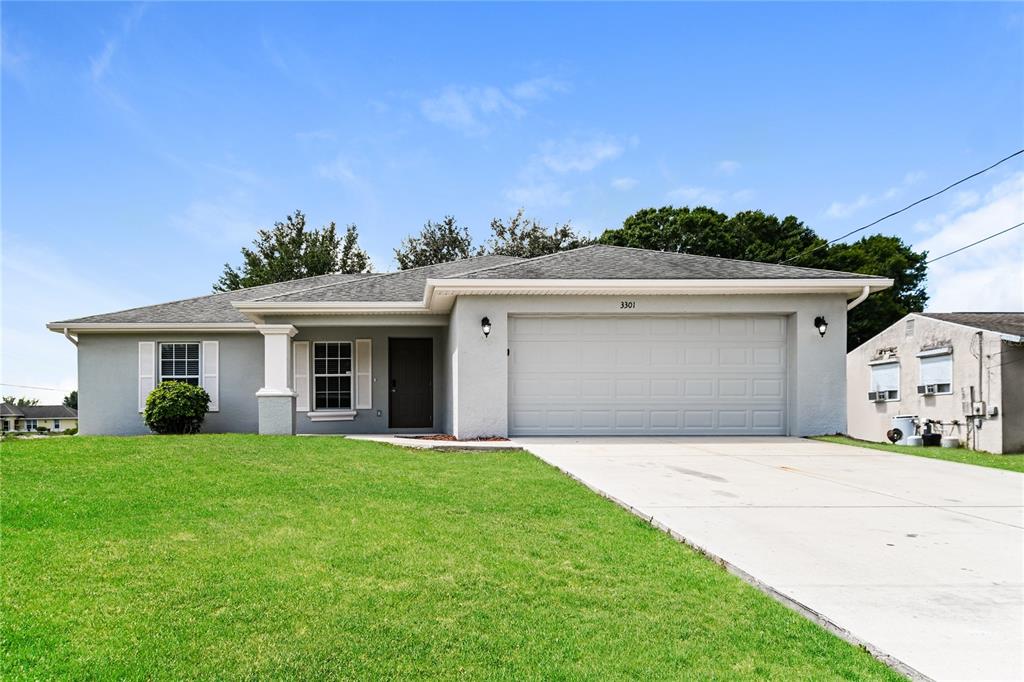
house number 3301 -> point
(627, 305)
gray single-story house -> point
(963, 372)
(28, 418)
(599, 340)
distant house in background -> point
(963, 370)
(56, 418)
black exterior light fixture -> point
(821, 325)
(485, 325)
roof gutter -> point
(860, 299)
(69, 337)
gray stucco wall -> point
(816, 370)
(1011, 363)
(870, 421)
(108, 379)
(375, 420)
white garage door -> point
(647, 375)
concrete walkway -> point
(921, 560)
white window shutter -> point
(147, 371)
(211, 372)
(300, 374)
(364, 374)
(885, 377)
(937, 370)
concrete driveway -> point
(921, 560)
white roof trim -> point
(115, 327)
(1004, 337)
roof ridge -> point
(735, 260)
(385, 274)
(535, 258)
(223, 293)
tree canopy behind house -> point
(289, 251)
(758, 236)
(20, 402)
(437, 242)
(71, 400)
(524, 237)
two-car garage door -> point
(647, 375)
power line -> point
(905, 208)
(962, 248)
(38, 388)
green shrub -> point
(176, 407)
(42, 429)
(70, 432)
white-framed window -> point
(56, 425)
(885, 382)
(332, 375)
(7, 425)
(180, 362)
(935, 373)
(30, 424)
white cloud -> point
(845, 209)
(225, 220)
(468, 109)
(988, 276)
(538, 88)
(578, 155)
(624, 184)
(464, 109)
(727, 167)
(99, 64)
(538, 195)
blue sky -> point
(144, 144)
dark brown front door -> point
(410, 383)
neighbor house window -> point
(936, 372)
(30, 424)
(885, 382)
(56, 425)
(179, 362)
(7, 425)
(332, 375)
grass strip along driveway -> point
(246, 556)
(982, 459)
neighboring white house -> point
(57, 418)
(963, 371)
(599, 340)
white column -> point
(276, 359)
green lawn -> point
(264, 557)
(982, 459)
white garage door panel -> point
(635, 375)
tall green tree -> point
(757, 236)
(526, 238)
(289, 251)
(887, 257)
(441, 242)
(20, 402)
(71, 400)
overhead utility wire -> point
(963, 248)
(905, 208)
(40, 388)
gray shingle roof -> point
(617, 262)
(405, 285)
(214, 308)
(1001, 323)
(591, 262)
(39, 411)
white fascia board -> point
(134, 327)
(333, 307)
(1004, 337)
(456, 287)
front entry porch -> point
(352, 378)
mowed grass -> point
(964, 456)
(260, 557)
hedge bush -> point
(176, 407)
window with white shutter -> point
(300, 374)
(147, 371)
(211, 370)
(885, 382)
(364, 374)
(936, 374)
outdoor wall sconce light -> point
(485, 325)
(821, 325)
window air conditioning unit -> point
(928, 389)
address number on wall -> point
(627, 305)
